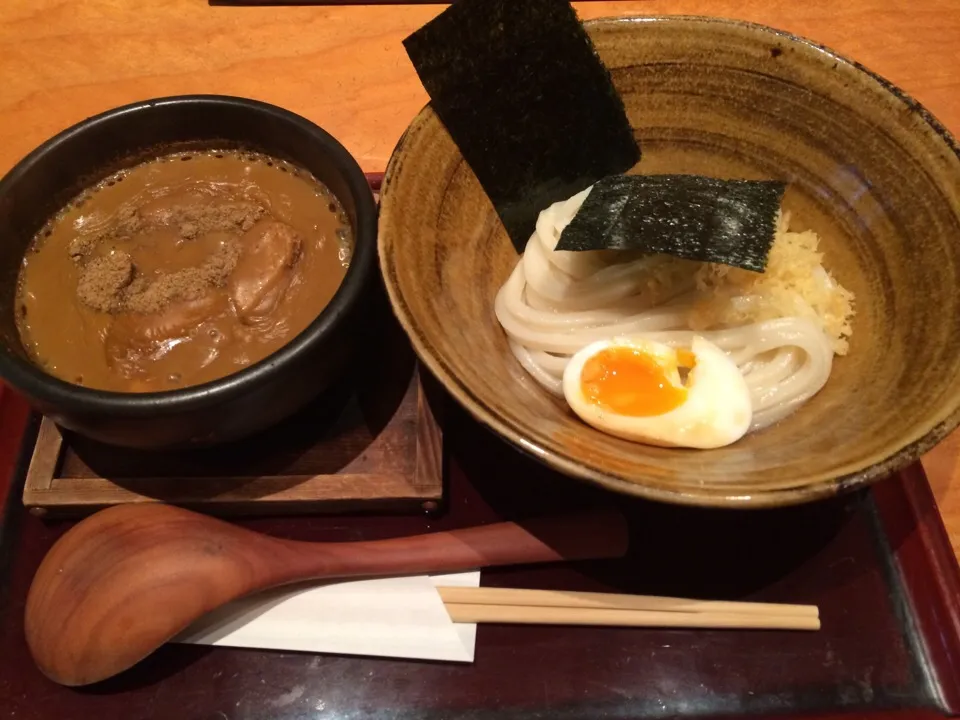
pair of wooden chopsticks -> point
(557, 607)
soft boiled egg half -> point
(633, 388)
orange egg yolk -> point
(627, 381)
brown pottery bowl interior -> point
(868, 169)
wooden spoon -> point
(124, 581)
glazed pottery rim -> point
(70, 398)
(894, 461)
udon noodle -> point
(781, 330)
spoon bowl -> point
(124, 581)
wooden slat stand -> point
(354, 463)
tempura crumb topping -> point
(795, 284)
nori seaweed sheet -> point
(732, 222)
(521, 90)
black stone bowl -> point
(237, 405)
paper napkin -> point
(400, 617)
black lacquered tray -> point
(876, 563)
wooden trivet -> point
(377, 453)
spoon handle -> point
(552, 539)
(121, 583)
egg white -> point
(717, 410)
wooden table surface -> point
(344, 68)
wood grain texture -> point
(532, 615)
(45, 460)
(357, 464)
(907, 510)
(942, 466)
(518, 597)
(14, 412)
(863, 662)
(344, 68)
(122, 582)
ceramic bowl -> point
(234, 406)
(869, 169)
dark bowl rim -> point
(896, 460)
(68, 398)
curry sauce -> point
(181, 270)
